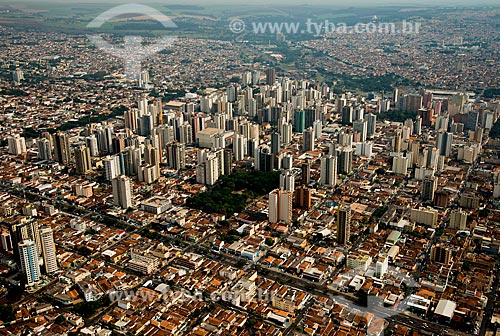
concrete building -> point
(30, 266)
(122, 192)
(343, 224)
(426, 216)
(458, 219)
(48, 250)
(280, 206)
(328, 174)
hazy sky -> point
(340, 3)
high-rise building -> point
(400, 165)
(303, 197)
(345, 139)
(412, 103)
(347, 113)
(111, 166)
(26, 230)
(361, 126)
(458, 219)
(105, 139)
(308, 140)
(176, 156)
(396, 141)
(91, 143)
(496, 185)
(30, 266)
(62, 153)
(6, 240)
(239, 147)
(318, 129)
(286, 133)
(275, 143)
(328, 174)
(48, 250)
(306, 173)
(429, 186)
(441, 254)
(228, 161)
(264, 160)
(364, 149)
(130, 118)
(118, 144)
(343, 224)
(44, 149)
(344, 164)
(186, 133)
(287, 181)
(417, 126)
(372, 124)
(17, 76)
(207, 172)
(17, 145)
(280, 206)
(270, 76)
(299, 119)
(82, 160)
(444, 140)
(122, 192)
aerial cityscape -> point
(217, 168)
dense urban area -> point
(330, 185)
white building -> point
(48, 250)
(358, 261)
(400, 165)
(122, 193)
(280, 206)
(458, 219)
(426, 216)
(17, 145)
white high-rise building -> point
(91, 142)
(111, 167)
(48, 250)
(286, 133)
(318, 129)
(280, 206)
(240, 147)
(207, 172)
(30, 266)
(458, 219)
(381, 266)
(122, 193)
(17, 145)
(400, 165)
(364, 149)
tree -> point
(269, 241)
